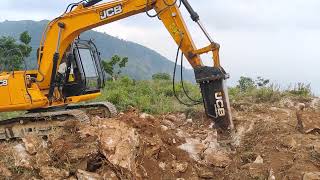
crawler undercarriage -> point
(50, 122)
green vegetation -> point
(261, 91)
(148, 96)
(156, 96)
(161, 76)
(12, 52)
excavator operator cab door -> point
(84, 71)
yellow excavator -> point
(69, 69)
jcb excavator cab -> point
(83, 73)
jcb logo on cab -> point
(3, 82)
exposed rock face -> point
(206, 151)
(21, 157)
(119, 144)
(311, 176)
(131, 147)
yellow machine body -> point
(17, 93)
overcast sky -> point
(276, 39)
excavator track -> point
(101, 109)
(48, 123)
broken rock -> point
(194, 148)
(211, 140)
(257, 171)
(189, 121)
(311, 176)
(258, 160)
(4, 171)
(315, 103)
(82, 152)
(271, 175)
(21, 157)
(286, 103)
(42, 158)
(309, 120)
(216, 158)
(84, 175)
(168, 123)
(179, 167)
(164, 128)
(52, 173)
(119, 144)
(301, 106)
(182, 117)
(110, 175)
(86, 131)
(172, 118)
(162, 165)
(289, 142)
(31, 144)
(146, 116)
(206, 174)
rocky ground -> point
(269, 142)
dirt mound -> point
(265, 145)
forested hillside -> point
(143, 62)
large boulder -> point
(119, 144)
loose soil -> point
(266, 144)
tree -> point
(161, 76)
(12, 53)
(246, 83)
(261, 82)
(114, 66)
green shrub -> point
(260, 91)
(246, 84)
(148, 96)
(161, 76)
(300, 89)
(266, 94)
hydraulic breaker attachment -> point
(215, 95)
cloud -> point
(261, 14)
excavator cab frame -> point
(84, 73)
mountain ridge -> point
(143, 61)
